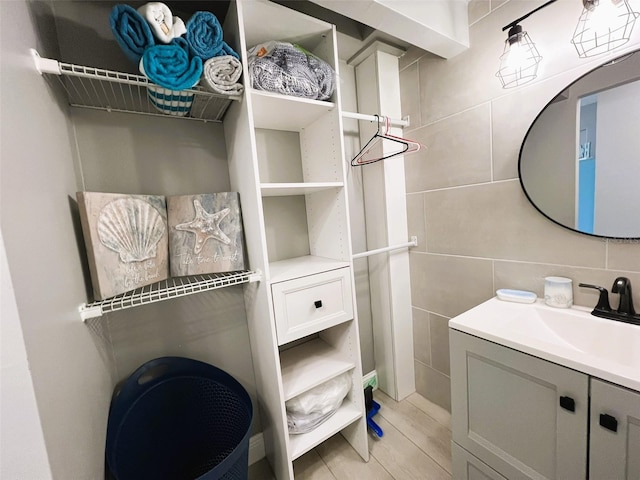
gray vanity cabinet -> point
(522, 416)
(615, 432)
(467, 467)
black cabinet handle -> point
(608, 422)
(318, 303)
(568, 403)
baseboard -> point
(370, 378)
(256, 448)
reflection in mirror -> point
(580, 160)
(611, 116)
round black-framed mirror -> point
(579, 163)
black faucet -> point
(625, 312)
(622, 286)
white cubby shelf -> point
(309, 365)
(343, 417)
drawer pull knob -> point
(318, 303)
(608, 422)
(568, 403)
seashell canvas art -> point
(205, 234)
(132, 228)
(126, 237)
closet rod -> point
(372, 118)
(413, 242)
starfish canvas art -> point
(205, 234)
(205, 226)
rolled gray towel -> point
(325, 75)
(221, 75)
(280, 67)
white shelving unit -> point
(286, 158)
(100, 89)
(302, 266)
(286, 189)
(95, 88)
(166, 290)
(310, 365)
(346, 415)
(301, 112)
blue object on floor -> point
(372, 408)
(177, 418)
(373, 425)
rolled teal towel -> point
(227, 50)
(182, 43)
(170, 67)
(204, 36)
(131, 31)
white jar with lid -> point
(558, 292)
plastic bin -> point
(176, 418)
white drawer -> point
(306, 305)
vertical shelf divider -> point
(309, 181)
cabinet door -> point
(506, 410)
(467, 467)
(614, 451)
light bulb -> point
(520, 59)
(603, 26)
(604, 14)
(516, 55)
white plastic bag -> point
(311, 408)
(303, 422)
(289, 69)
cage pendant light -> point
(603, 26)
(520, 59)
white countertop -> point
(603, 348)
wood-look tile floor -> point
(416, 445)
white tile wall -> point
(463, 193)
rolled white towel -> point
(164, 25)
(179, 27)
(221, 75)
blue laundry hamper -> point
(179, 419)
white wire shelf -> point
(112, 91)
(166, 290)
